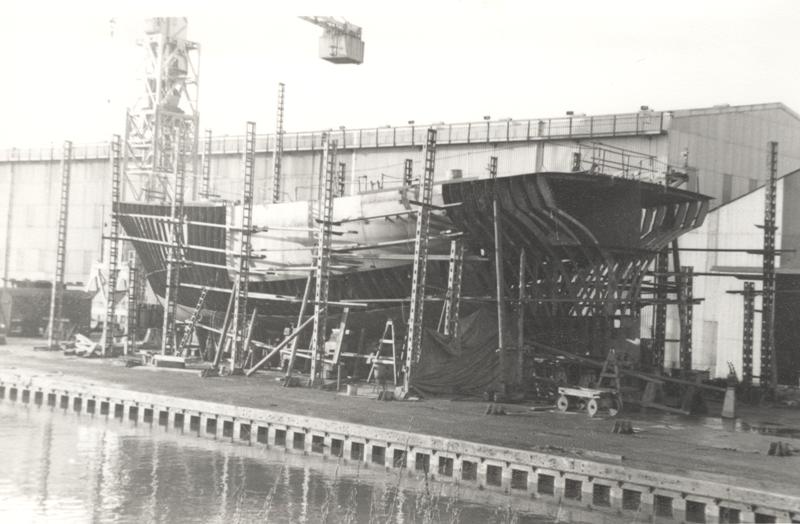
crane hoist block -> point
(341, 48)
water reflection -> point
(68, 468)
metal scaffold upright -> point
(133, 323)
(341, 179)
(685, 280)
(57, 292)
(413, 345)
(452, 300)
(277, 190)
(768, 363)
(205, 182)
(166, 106)
(660, 314)
(113, 248)
(408, 172)
(323, 262)
(174, 252)
(240, 327)
(747, 332)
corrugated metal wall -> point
(34, 206)
(733, 141)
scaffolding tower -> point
(768, 364)
(57, 293)
(660, 314)
(277, 190)
(747, 332)
(685, 280)
(341, 179)
(413, 343)
(133, 320)
(205, 182)
(166, 107)
(174, 253)
(323, 262)
(240, 329)
(113, 248)
(452, 300)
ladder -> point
(387, 339)
(243, 277)
(173, 251)
(453, 296)
(132, 305)
(768, 378)
(747, 332)
(57, 292)
(686, 314)
(334, 361)
(188, 329)
(323, 262)
(341, 178)
(205, 184)
(113, 248)
(660, 313)
(408, 172)
(609, 375)
(415, 324)
(276, 163)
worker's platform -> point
(733, 453)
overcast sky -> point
(67, 75)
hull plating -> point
(587, 240)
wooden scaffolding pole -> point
(499, 281)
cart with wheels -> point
(593, 400)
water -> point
(68, 468)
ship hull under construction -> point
(587, 240)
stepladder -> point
(189, 327)
(384, 357)
(609, 376)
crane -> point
(340, 42)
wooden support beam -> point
(500, 284)
(226, 323)
(277, 298)
(520, 319)
(280, 346)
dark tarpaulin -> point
(468, 367)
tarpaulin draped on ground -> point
(468, 365)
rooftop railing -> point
(487, 131)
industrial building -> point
(721, 149)
(723, 242)
(726, 147)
